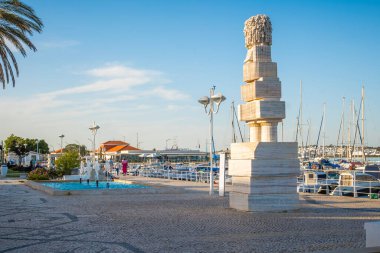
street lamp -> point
(209, 102)
(25, 154)
(61, 136)
(38, 153)
(94, 129)
(166, 146)
(79, 147)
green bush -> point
(38, 174)
(67, 162)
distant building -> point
(118, 150)
(113, 149)
(54, 155)
(26, 160)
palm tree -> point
(17, 22)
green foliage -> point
(68, 161)
(15, 144)
(76, 148)
(22, 146)
(38, 174)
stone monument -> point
(263, 170)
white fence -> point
(350, 183)
(174, 174)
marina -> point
(179, 127)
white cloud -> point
(115, 79)
(112, 85)
(115, 71)
(120, 93)
(60, 44)
(119, 85)
(168, 94)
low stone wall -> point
(157, 189)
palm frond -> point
(17, 21)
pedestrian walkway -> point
(192, 221)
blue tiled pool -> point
(64, 186)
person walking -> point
(125, 166)
(117, 167)
(111, 165)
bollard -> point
(222, 174)
(80, 180)
(88, 181)
(97, 183)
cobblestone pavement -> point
(32, 221)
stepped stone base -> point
(264, 176)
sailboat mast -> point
(307, 138)
(363, 155)
(233, 123)
(301, 122)
(354, 126)
(349, 134)
(324, 129)
(341, 147)
(349, 153)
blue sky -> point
(140, 66)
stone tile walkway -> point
(32, 221)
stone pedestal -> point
(264, 171)
(264, 176)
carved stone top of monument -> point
(258, 31)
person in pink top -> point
(125, 166)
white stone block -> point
(262, 110)
(269, 185)
(254, 70)
(264, 88)
(372, 234)
(261, 53)
(264, 150)
(71, 177)
(264, 203)
(263, 167)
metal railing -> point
(185, 175)
(355, 184)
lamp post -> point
(166, 146)
(94, 129)
(79, 148)
(38, 153)
(25, 145)
(209, 102)
(61, 136)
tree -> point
(21, 146)
(76, 148)
(17, 22)
(16, 144)
(68, 161)
(43, 147)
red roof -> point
(121, 147)
(58, 151)
(116, 146)
(114, 143)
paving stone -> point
(191, 221)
